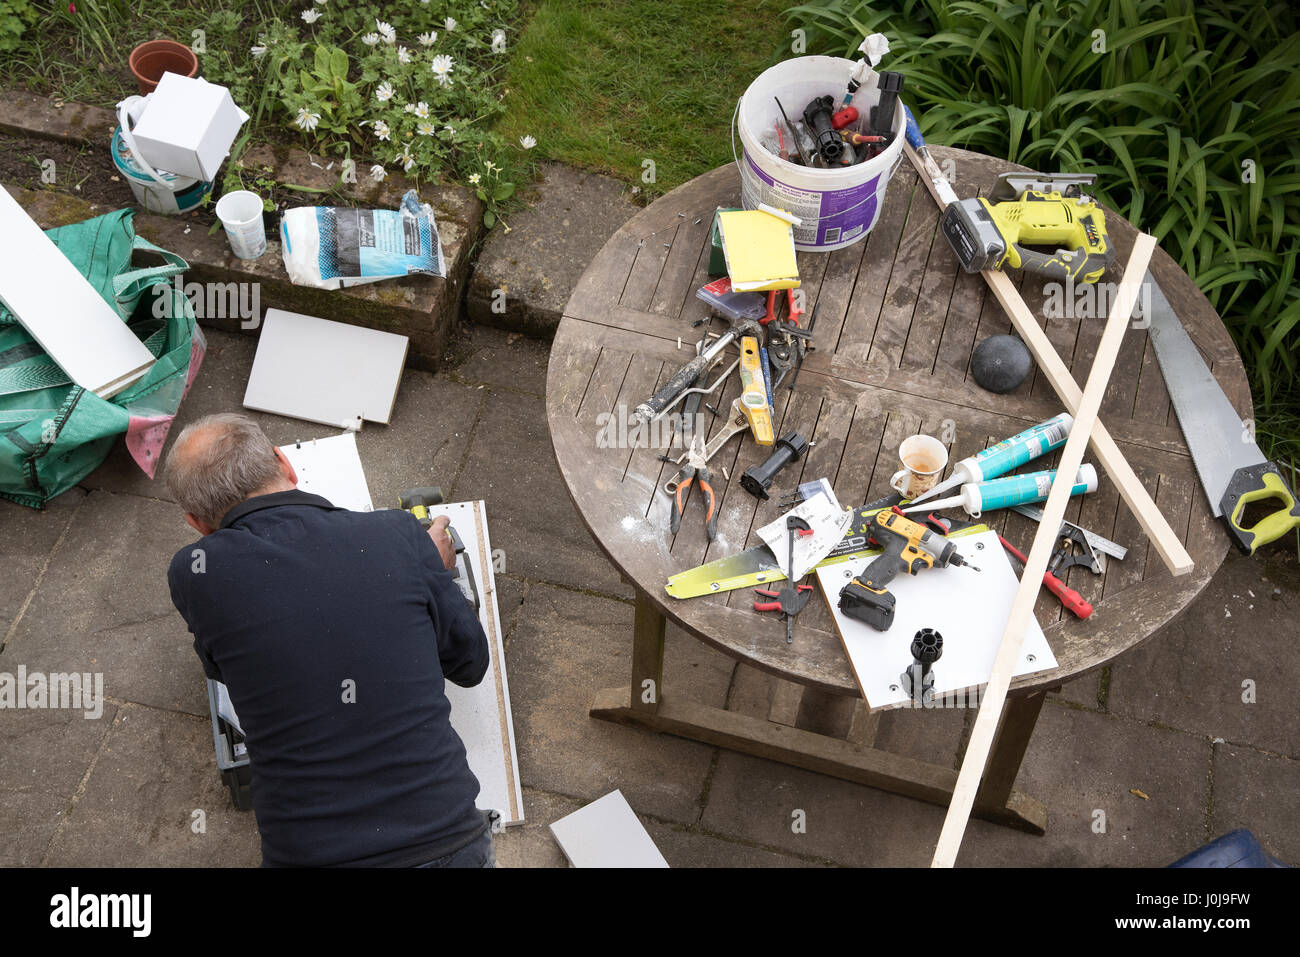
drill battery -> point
(871, 607)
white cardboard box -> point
(188, 126)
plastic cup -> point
(240, 213)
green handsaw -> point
(1232, 469)
(757, 565)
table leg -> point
(647, 656)
(1019, 716)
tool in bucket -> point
(836, 206)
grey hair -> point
(236, 461)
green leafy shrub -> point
(1188, 112)
(411, 87)
(15, 17)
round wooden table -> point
(896, 322)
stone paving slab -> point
(155, 769)
(511, 466)
(1077, 762)
(29, 537)
(523, 278)
(568, 646)
(1191, 675)
(1080, 762)
(104, 605)
(1258, 791)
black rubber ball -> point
(1001, 363)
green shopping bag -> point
(54, 433)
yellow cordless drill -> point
(908, 547)
(1032, 209)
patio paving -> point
(85, 590)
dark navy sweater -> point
(333, 631)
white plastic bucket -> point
(838, 206)
(240, 213)
(161, 192)
(155, 190)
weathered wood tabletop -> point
(896, 323)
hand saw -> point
(1232, 469)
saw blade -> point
(1217, 438)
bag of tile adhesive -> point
(335, 246)
(54, 433)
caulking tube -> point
(1009, 491)
(1006, 455)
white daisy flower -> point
(386, 31)
(257, 51)
(381, 130)
(441, 67)
(405, 159)
(449, 131)
(403, 55)
(378, 173)
(474, 179)
(527, 142)
(450, 24)
(311, 15)
(428, 39)
(384, 92)
(421, 110)
(370, 39)
(409, 108)
(307, 120)
(426, 129)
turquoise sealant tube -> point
(975, 497)
(1008, 454)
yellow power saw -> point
(1032, 209)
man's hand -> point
(442, 541)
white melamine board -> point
(323, 371)
(331, 468)
(968, 608)
(61, 309)
(481, 715)
(606, 833)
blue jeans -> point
(479, 852)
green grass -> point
(608, 85)
(81, 57)
(1182, 99)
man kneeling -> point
(333, 632)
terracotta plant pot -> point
(149, 61)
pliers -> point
(696, 468)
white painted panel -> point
(606, 833)
(481, 715)
(968, 608)
(323, 371)
(331, 468)
(61, 309)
